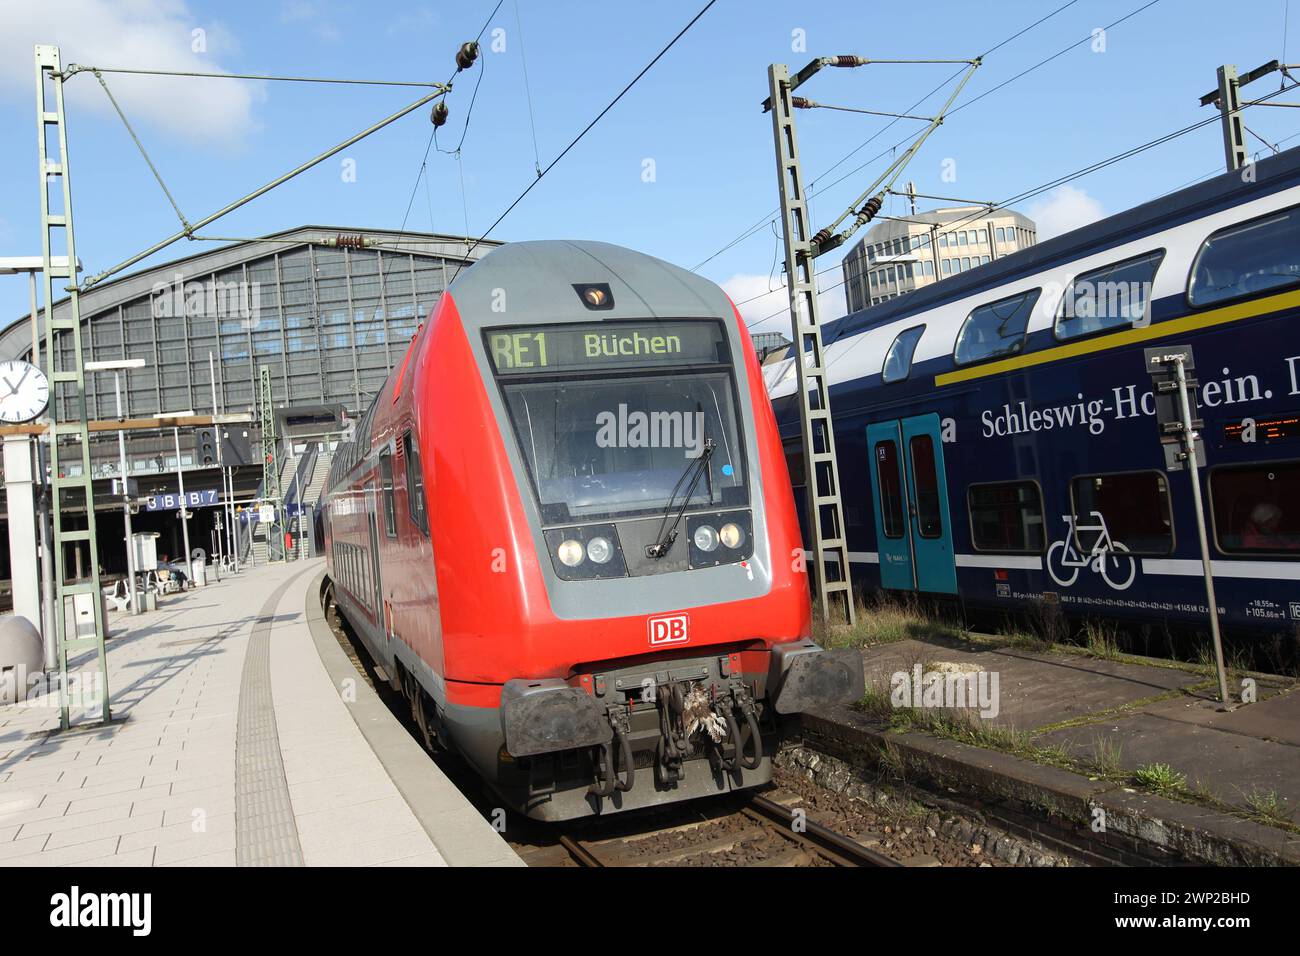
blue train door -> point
(909, 488)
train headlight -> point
(706, 539)
(570, 553)
(732, 535)
(599, 550)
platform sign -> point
(1180, 436)
(266, 514)
(192, 499)
(1160, 363)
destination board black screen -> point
(529, 350)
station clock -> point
(24, 392)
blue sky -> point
(695, 116)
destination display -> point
(1263, 430)
(607, 345)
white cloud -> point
(134, 34)
(1065, 208)
(757, 304)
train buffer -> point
(236, 740)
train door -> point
(910, 500)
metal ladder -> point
(826, 510)
(67, 390)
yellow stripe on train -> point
(1188, 323)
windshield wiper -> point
(694, 471)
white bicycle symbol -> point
(1108, 557)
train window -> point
(891, 490)
(995, 329)
(1247, 259)
(898, 360)
(1114, 295)
(926, 482)
(1006, 516)
(386, 483)
(1257, 508)
(1122, 512)
(415, 484)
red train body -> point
(510, 546)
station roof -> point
(15, 338)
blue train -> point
(997, 436)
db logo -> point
(668, 629)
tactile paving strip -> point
(265, 833)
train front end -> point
(629, 602)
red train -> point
(565, 530)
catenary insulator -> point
(439, 115)
(466, 55)
(870, 208)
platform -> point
(242, 736)
(1071, 731)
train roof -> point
(538, 279)
(1226, 189)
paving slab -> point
(1135, 711)
(1034, 689)
(230, 745)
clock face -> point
(24, 392)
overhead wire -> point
(1036, 191)
(775, 214)
(586, 129)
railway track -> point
(758, 831)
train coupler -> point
(673, 745)
(608, 755)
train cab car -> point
(566, 531)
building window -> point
(1001, 234)
(1257, 508)
(891, 492)
(1007, 516)
(982, 236)
(984, 260)
(1124, 512)
(943, 240)
(947, 266)
(995, 329)
(386, 488)
(965, 263)
(928, 267)
(961, 239)
(898, 360)
(415, 484)
(1114, 295)
(1247, 259)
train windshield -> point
(614, 442)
